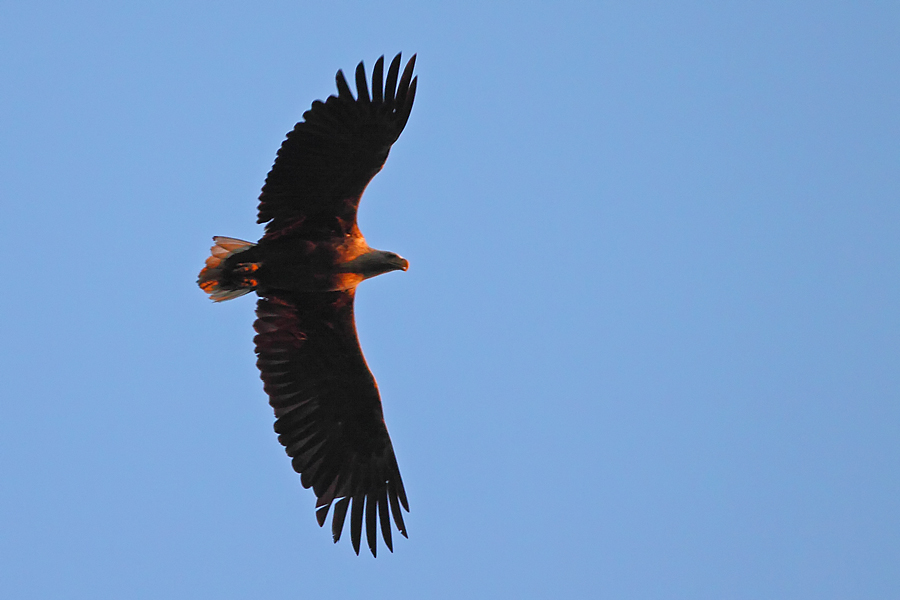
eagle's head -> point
(376, 262)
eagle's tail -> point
(223, 283)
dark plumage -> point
(305, 269)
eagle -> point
(305, 270)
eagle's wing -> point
(329, 158)
(328, 411)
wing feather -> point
(343, 89)
(372, 522)
(337, 521)
(403, 86)
(385, 519)
(362, 88)
(356, 515)
(390, 87)
(378, 81)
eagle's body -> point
(305, 269)
(303, 263)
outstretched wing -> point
(328, 411)
(329, 158)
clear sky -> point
(648, 346)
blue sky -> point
(648, 346)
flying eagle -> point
(305, 270)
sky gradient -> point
(648, 345)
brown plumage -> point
(305, 269)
